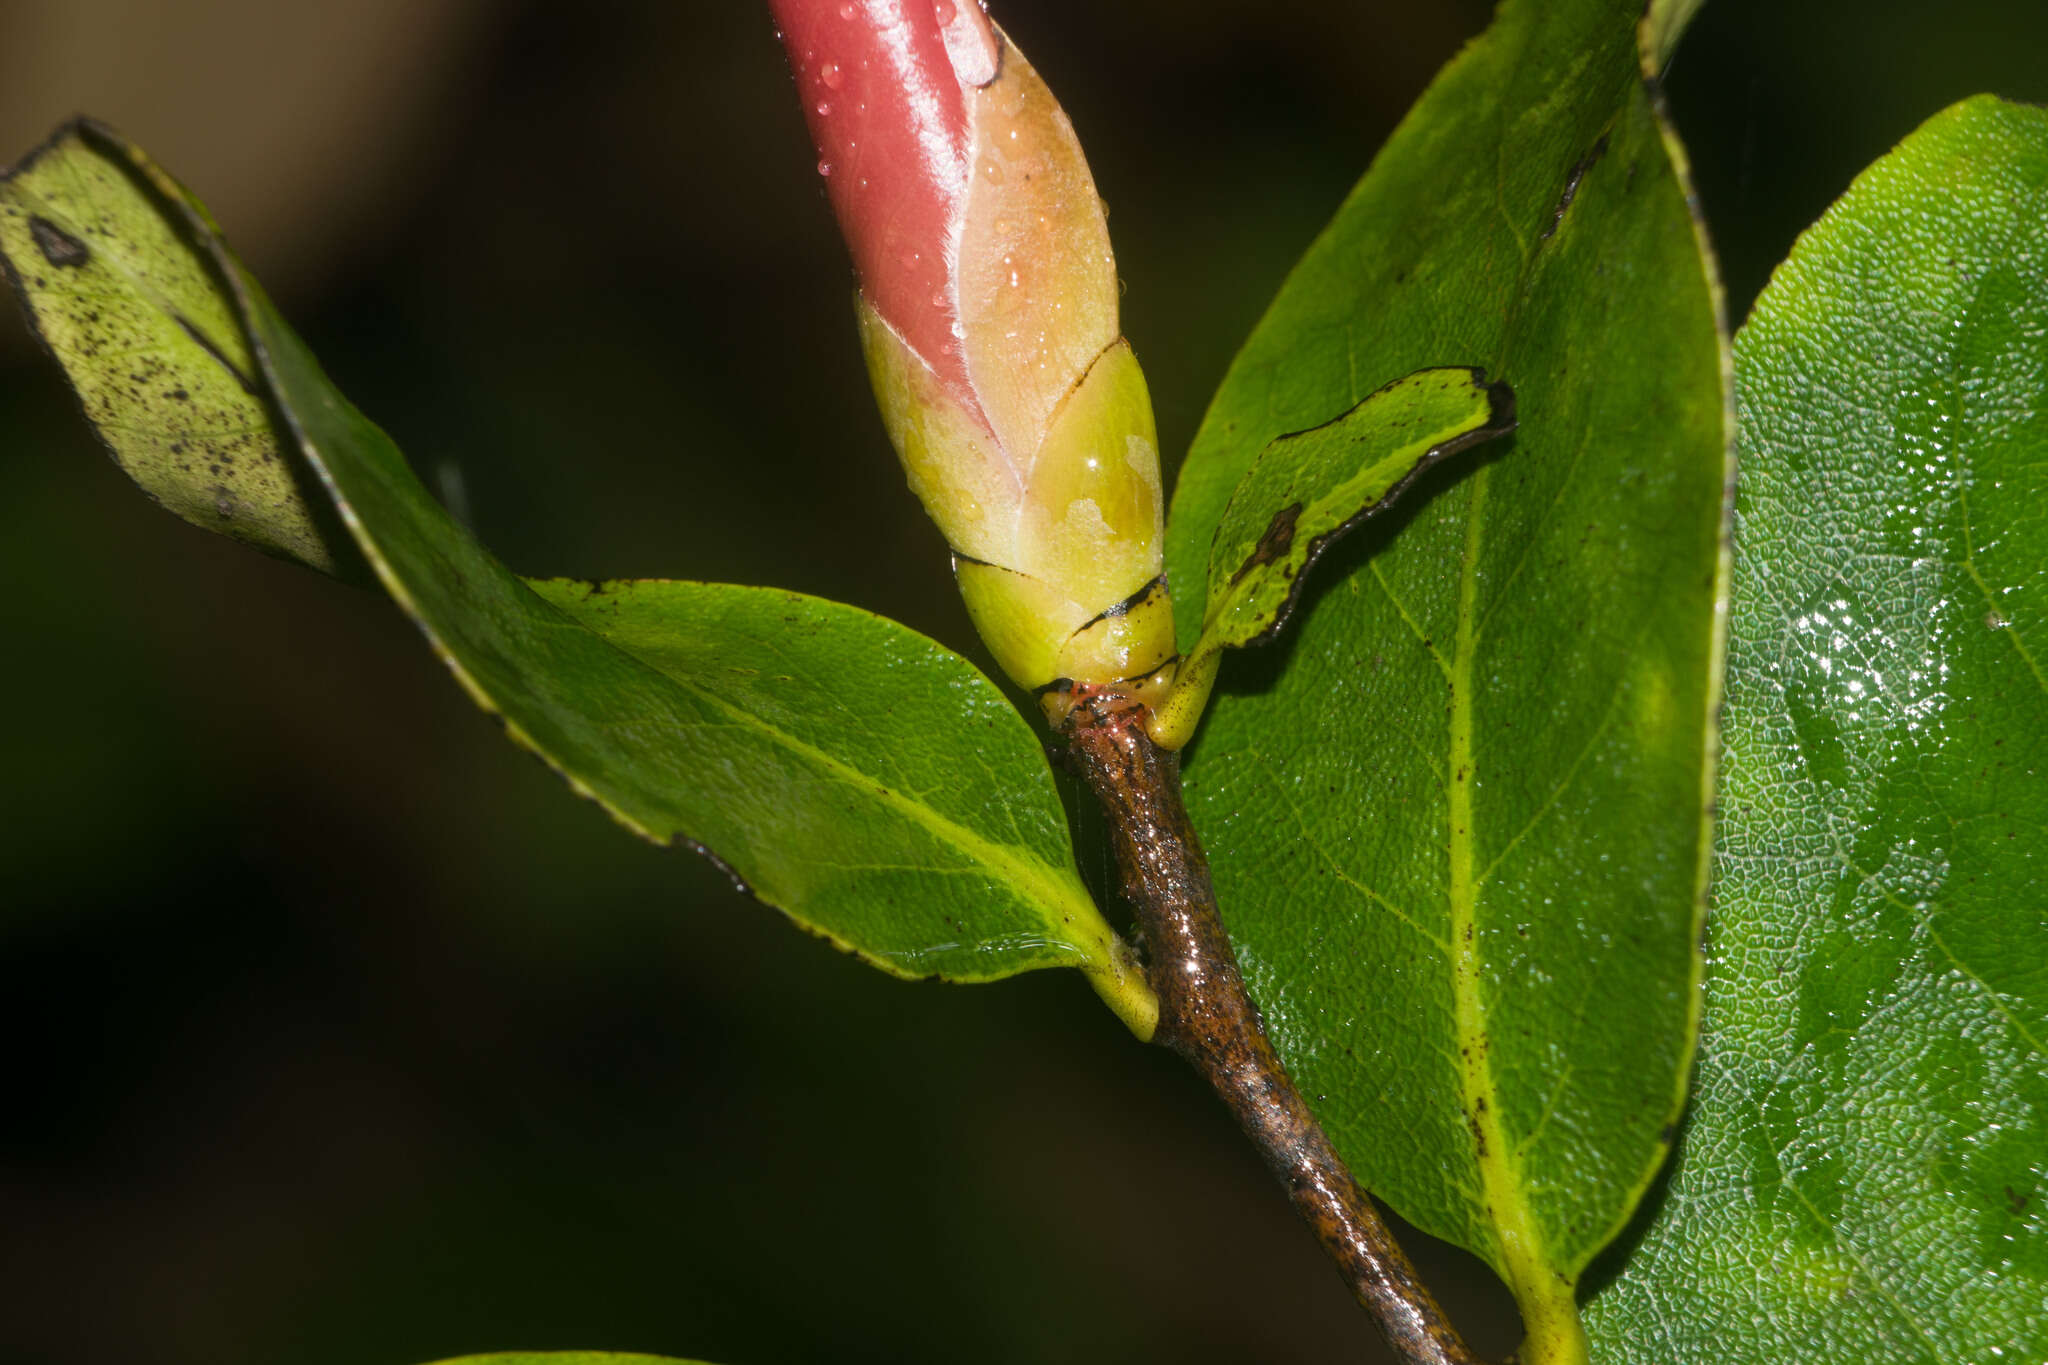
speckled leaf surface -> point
(135, 311)
(1864, 1176)
(1458, 820)
(850, 772)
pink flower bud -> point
(887, 107)
(988, 303)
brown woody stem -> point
(1205, 1015)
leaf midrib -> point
(1544, 1295)
(1502, 1189)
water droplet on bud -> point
(824, 108)
(831, 75)
(824, 168)
(846, 11)
(944, 11)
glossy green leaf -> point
(1307, 489)
(1458, 831)
(840, 763)
(850, 772)
(566, 1358)
(1864, 1176)
(135, 311)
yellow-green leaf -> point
(137, 313)
(1307, 489)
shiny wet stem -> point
(1206, 1016)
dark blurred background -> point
(335, 1030)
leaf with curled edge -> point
(1308, 488)
(865, 780)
